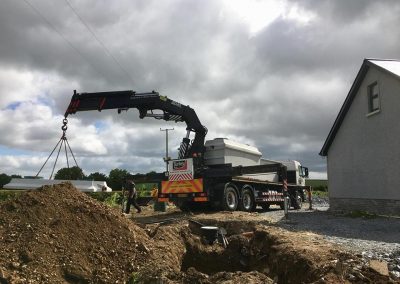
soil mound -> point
(58, 234)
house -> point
(363, 146)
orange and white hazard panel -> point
(182, 186)
(180, 169)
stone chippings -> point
(376, 238)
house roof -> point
(390, 66)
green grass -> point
(144, 188)
(318, 184)
(321, 194)
(8, 194)
(134, 278)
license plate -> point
(183, 195)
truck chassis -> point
(227, 188)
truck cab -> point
(296, 173)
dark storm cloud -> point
(167, 49)
(344, 11)
(63, 46)
(341, 35)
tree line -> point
(114, 179)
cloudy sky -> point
(272, 74)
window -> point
(373, 97)
(301, 171)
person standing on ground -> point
(130, 187)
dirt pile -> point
(57, 234)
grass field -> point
(318, 184)
(8, 194)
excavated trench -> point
(252, 251)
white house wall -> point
(364, 158)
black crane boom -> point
(146, 103)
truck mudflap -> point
(190, 190)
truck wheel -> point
(230, 199)
(190, 206)
(183, 206)
(247, 202)
(298, 202)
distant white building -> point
(363, 146)
(82, 185)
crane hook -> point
(64, 127)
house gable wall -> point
(364, 158)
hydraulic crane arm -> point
(146, 103)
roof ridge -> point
(380, 59)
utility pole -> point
(166, 159)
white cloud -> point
(299, 14)
(318, 175)
(24, 165)
(15, 86)
(255, 13)
(258, 14)
(33, 126)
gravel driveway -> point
(374, 238)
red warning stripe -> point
(285, 184)
(103, 100)
(174, 177)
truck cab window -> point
(301, 173)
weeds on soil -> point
(134, 278)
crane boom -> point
(146, 103)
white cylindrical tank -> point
(225, 151)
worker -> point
(130, 187)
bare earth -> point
(59, 235)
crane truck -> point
(219, 172)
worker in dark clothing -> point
(130, 187)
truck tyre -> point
(183, 206)
(230, 199)
(298, 202)
(247, 203)
(190, 206)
